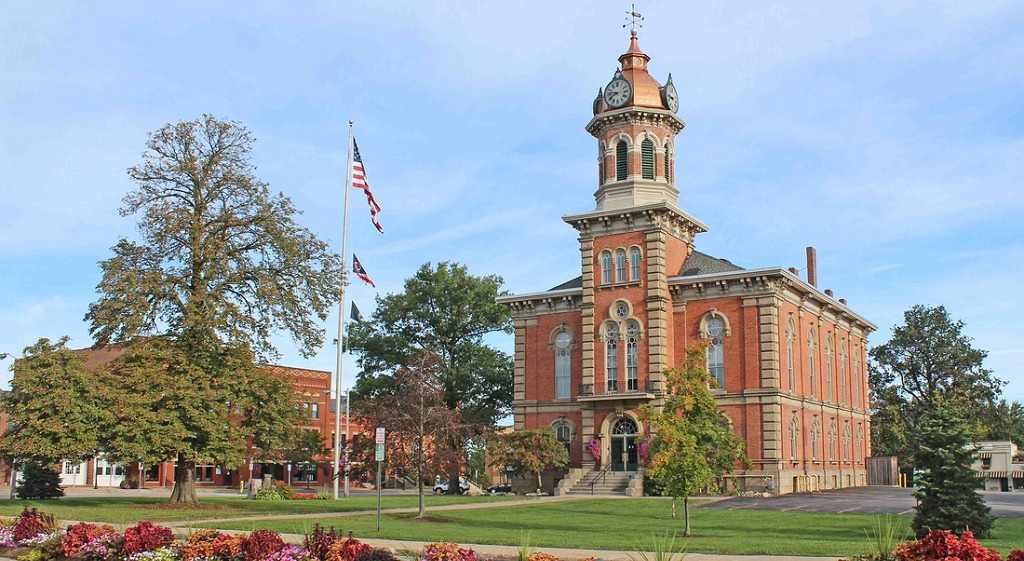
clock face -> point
(617, 93)
(671, 97)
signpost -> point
(379, 456)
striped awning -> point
(984, 454)
(1017, 474)
(992, 474)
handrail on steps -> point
(602, 475)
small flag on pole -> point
(356, 316)
(360, 272)
(359, 182)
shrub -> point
(47, 550)
(1015, 555)
(39, 482)
(267, 494)
(31, 523)
(346, 550)
(260, 544)
(80, 534)
(943, 545)
(291, 553)
(285, 491)
(376, 554)
(320, 540)
(447, 551)
(103, 548)
(145, 536)
(211, 544)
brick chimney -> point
(812, 267)
(842, 301)
(828, 292)
(794, 271)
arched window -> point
(634, 263)
(620, 265)
(625, 427)
(832, 434)
(860, 441)
(815, 437)
(829, 354)
(856, 385)
(843, 357)
(812, 346)
(606, 267)
(647, 159)
(847, 441)
(564, 433)
(611, 357)
(632, 356)
(790, 339)
(668, 164)
(794, 435)
(621, 160)
(563, 341)
(716, 351)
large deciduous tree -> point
(947, 495)
(928, 358)
(445, 311)
(219, 267)
(527, 451)
(691, 442)
(55, 407)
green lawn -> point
(618, 524)
(133, 509)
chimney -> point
(842, 301)
(812, 267)
(828, 292)
(794, 271)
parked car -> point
(500, 488)
(442, 487)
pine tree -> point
(39, 482)
(947, 493)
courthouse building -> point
(789, 359)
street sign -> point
(379, 456)
(380, 435)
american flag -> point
(359, 182)
(360, 272)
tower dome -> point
(633, 86)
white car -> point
(442, 488)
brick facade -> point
(645, 292)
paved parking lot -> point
(863, 500)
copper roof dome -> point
(646, 90)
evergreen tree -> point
(39, 482)
(947, 493)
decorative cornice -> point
(541, 303)
(635, 116)
(655, 216)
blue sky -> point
(889, 135)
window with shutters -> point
(621, 160)
(647, 158)
(668, 164)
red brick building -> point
(313, 388)
(790, 359)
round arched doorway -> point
(623, 445)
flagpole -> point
(341, 329)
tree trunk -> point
(686, 515)
(673, 507)
(538, 482)
(184, 482)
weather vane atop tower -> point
(633, 18)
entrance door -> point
(623, 445)
(108, 474)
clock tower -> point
(631, 243)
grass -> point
(618, 524)
(123, 510)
